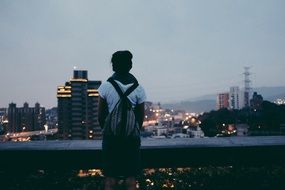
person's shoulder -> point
(105, 83)
(140, 89)
(140, 94)
(105, 86)
(140, 86)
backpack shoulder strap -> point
(131, 89)
(118, 89)
(116, 86)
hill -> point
(207, 103)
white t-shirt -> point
(108, 93)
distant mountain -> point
(205, 97)
(273, 98)
(208, 102)
(193, 106)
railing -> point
(156, 153)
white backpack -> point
(122, 122)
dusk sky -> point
(181, 49)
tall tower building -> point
(13, 119)
(235, 97)
(78, 108)
(223, 100)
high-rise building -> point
(51, 115)
(78, 108)
(236, 98)
(223, 100)
(3, 120)
(256, 101)
(26, 118)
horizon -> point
(194, 99)
(181, 50)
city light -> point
(46, 128)
(280, 101)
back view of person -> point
(121, 143)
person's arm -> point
(102, 111)
(139, 111)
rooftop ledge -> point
(85, 154)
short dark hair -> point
(122, 61)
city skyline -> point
(182, 49)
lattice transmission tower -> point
(247, 87)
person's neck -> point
(124, 78)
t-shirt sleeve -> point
(103, 90)
(141, 95)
